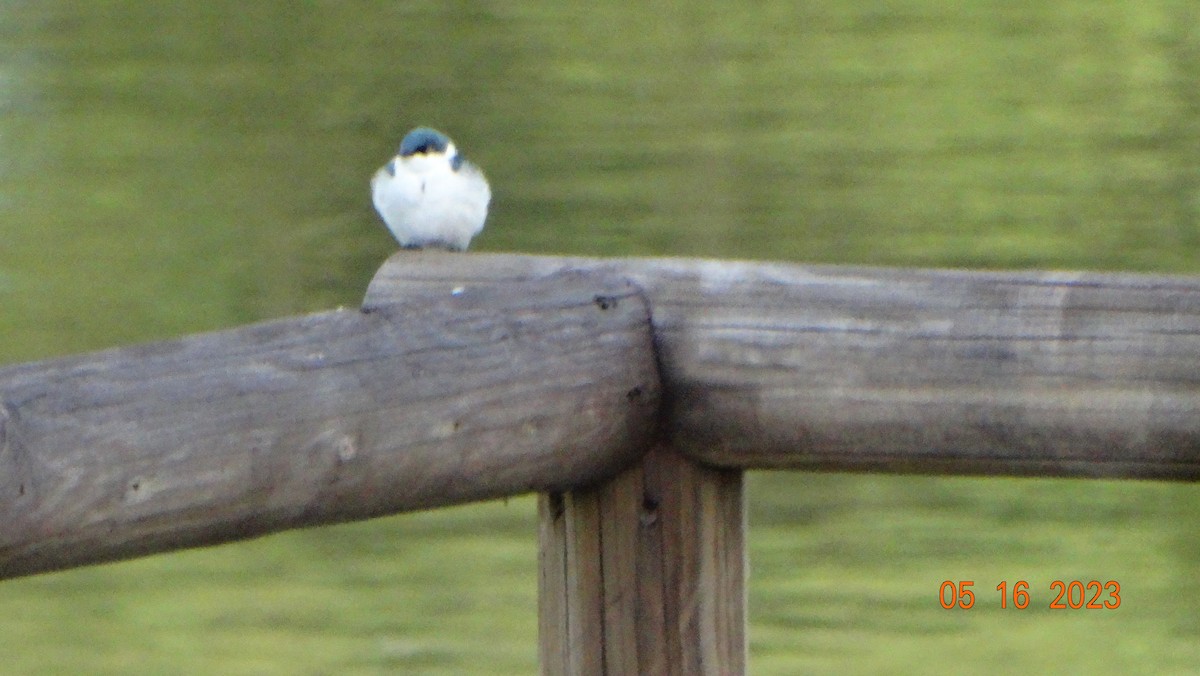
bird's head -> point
(429, 145)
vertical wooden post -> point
(645, 574)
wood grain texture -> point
(431, 400)
(645, 573)
(894, 370)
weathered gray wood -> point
(434, 399)
(841, 368)
(645, 573)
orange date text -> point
(1062, 595)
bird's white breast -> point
(426, 202)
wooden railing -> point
(631, 394)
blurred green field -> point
(171, 168)
(845, 574)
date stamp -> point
(1067, 595)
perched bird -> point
(428, 195)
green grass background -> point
(845, 573)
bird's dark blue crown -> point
(423, 140)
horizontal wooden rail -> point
(923, 371)
(466, 377)
(439, 398)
